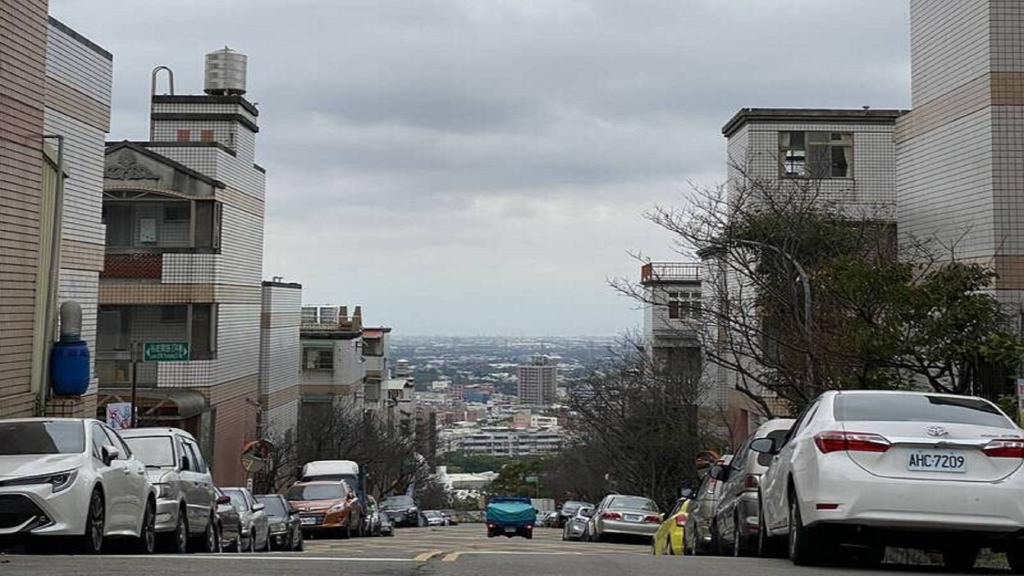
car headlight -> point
(164, 490)
(58, 482)
(278, 527)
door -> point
(774, 482)
(116, 484)
(137, 484)
(259, 522)
(198, 486)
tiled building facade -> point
(53, 82)
(961, 150)
(184, 263)
(280, 357)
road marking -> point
(427, 555)
(295, 558)
(451, 557)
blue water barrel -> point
(69, 368)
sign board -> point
(165, 352)
(530, 479)
(119, 415)
(255, 456)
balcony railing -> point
(669, 272)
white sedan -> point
(73, 477)
(862, 470)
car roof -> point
(48, 419)
(897, 393)
(135, 432)
(320, 483)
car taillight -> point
(652, 520)
(681, 520)
(750, 482)
(835, 441)
(1005, 448)
(611, 516)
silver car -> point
(624, 515)
(698, 537)
(255, 525)
(73, 477)
(576, 526)
(736, 519)
(186, 503)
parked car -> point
(402, 510)
(668, 540)
(285, 525)
(735, 523)
(327, 507)
(548, 519)
(377, 522)
(73, 477)
(576, 526)
(871, 469)
(186, 502)
(568, 511)
(698, 536)
(434, 518)
(255, 526)
(229, 523)
(624, 515)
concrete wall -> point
(280, 359)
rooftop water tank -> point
(225, 72)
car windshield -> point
(571, 506)
(154, 451)
(633, 503)
(237, 499)
(41, 437)
(919, 408)
(432, 514)
(395, 502)
(274, 505)
(316, 492)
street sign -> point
(530, 479)
(165, 352)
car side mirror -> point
(258, 506)
(687, 493)
(764, 446)
(223, 499)
(719, 472)
(110, 453)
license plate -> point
(632, 517)
(937, 461)
(307, 520)
(510, 529)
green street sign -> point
(530, 479)
(165, 352)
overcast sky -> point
(482, 166)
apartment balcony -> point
(675, 272)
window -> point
(919, 408)
(99, 438)
(208, 215)
(207, 136)
(116, 441)
(156, 451)
(41, 437)
(186, 457)
(177, 212)
(184, 136)
(682, 305)
(195, 457)
(816, 154)
(119, 221)
(318, 358)
(173, 313)
(203, 335)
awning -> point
(155, 403)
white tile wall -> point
(949, 45)
(78, 66)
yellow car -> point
(668, 540)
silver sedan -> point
(626, 516)
(576, 526)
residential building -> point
(184, 256)
(672, 316)
(504, 441)
(846, 157)
(280, 359)
(55, 88)
(538, 382)
(960, 151)
(332, 364)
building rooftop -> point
(857, 115)
(654, 272)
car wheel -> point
(95, 522)
(960, 559)
(266, 541)
(147, 534)
(210, 540)
(687, 547)
(176, 541)
(248, 543)
(767, 546)
(804, 546)
(739, 544)
(1015, 558)
(715, 548)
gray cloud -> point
(460, 166)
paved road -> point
(453, 551)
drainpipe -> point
(53, 290)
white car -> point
(73, 477)
(869, 469)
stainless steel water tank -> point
(225, 72)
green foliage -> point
(458, 462)
(512, 477)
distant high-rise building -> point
(538, 381)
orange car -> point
(326, 506)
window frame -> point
(829, 144)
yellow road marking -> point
(451, 557)
(427, 555)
